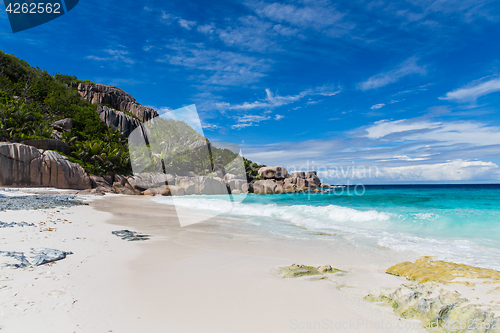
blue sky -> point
(410, 89)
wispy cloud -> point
(250, 33)
(188, 25)
(450, 133)
(377, 106)
(117, 55)
(249, 120)
(224, 68)
(313, 15)
(274, 100)
(206, 28)
(408, 67)
(473, 91)
(456, 170)
(401, 150)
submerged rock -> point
(295, 271)
(130, 235)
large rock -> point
(299, 174)
(314, 180)
(116, 98)
(238, 185)
(275, 172)
(290, 188)
(63, 125)
(187, 184)
(311, 174)
(264, 186)
(49, 144)
(144, 181)
(299, 182)
(210, 185)
(117, 119)
(23, 165)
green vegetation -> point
(31, 100)
(252, 170)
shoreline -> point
(215, 276)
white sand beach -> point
(215, 276)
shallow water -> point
(459, 223)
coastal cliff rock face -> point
(49, 144)
(63, 125)
(116, 97)
(22, 165)
(117, 119)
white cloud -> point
(188, 25)
(207, 28)
(114, 55)
(250, 33)
(456, 170)
(413, 150)
(408, 67)
(377, 106)
(225, 68)
(249, 120)
(473, 91)
(279, 117)
(458, 132)
(316, 16)
(210, 126)
(272, 100)
(166, 17)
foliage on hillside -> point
(31, 100)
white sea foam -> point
(295, 213)
(381, 226)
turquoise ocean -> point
(459, 223)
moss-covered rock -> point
(438, 309)
(295, 271)
(427, 270)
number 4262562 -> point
(34, 8)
